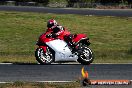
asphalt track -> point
(64, 72)
(119, 13)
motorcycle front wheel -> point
(44, 57)
(86, 56)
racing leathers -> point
(61, 32)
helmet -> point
(51, 23)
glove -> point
(53, 35)
(48, 36)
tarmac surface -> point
(65, 72)
(98, 12)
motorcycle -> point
(51, 50)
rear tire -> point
(42, 57)
(86, 56)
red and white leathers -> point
(59, 31)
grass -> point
(40, 85)
(57, 85)
(111, 37)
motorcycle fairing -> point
(62, 51)
(78, 37)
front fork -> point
(78, 46)
(43, 47)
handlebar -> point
(48, 35)
(52, 35)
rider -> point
(58, 30)
(55, 28)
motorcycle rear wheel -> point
(42, 57)
(86, 57)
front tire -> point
(42, 57)
(86, 56)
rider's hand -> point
(54, 35)
(48, 36)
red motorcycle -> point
(57, 49)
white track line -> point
(44, 82)
(6, 63)
(71, 63)
(5, 82)
(50, 82)
(55, 81)
(111, 63)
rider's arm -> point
(61, 30)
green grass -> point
(57, 85)
(111, 37)
(77, 84)
(40, 85)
